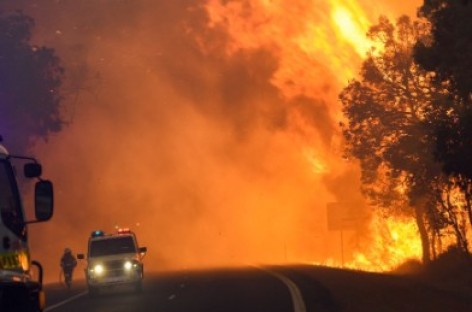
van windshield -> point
(112, 246)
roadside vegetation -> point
(30, 81)
(408, 122)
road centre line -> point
(295, 293)
(57, 305)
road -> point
(271, 289)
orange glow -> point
(211, 131)
(24, 260)
(316, 163)
(312, 38)
(353, 30)
(323, 39)
(393, 241)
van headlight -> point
(98, 269)
(128, 265)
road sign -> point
(344, 215)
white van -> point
(113, 259)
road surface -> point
(269, 289)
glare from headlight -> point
(98, 269)
(128, 265)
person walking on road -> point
(68, 264)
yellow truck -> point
(19, 291)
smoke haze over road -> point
(209, 128)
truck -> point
(21, 278)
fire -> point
(312, 39)
(242, 185)
(393, 241)
(353, 30)
(319, 46)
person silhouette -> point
(68, 264)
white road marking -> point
(57, 305)
(297, 298)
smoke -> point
(213, 137)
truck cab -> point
(18, 290)
(113, 260)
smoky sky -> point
(192, 147)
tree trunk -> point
(425, 243)
(435, 244)
(468, 207)
(455, 219)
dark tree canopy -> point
(449, 51)
(30, 77)
(454, 140)
(387, 109)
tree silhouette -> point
(30, 77)
(448, 50)
(389, 129)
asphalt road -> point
(222, 290)
(302, 288)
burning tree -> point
(30, 77)
(389, 129)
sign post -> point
(343, 216)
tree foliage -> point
(390, 129)
(448, 50)
(30, 78)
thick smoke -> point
(193, 145)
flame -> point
(393, 241)
(353, 30)
(311, 38)
(320, 46)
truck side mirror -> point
(142, 250)
(32, 170)
(80, 256)
(43, 200)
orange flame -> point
(312, 38)
(394, 241)
(320, 46)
